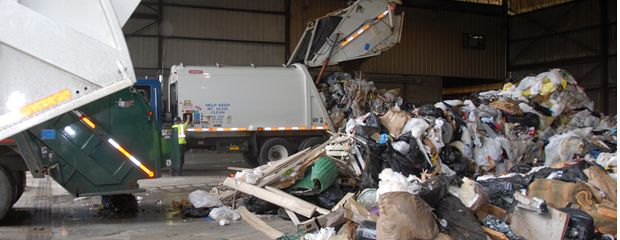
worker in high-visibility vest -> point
(181, 127)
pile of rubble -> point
(529, 161)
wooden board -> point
(292, 216)
(297, 200)
(550, 226)
(260, 225)
(269, 196)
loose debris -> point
(529, 161)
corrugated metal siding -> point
(207, 23)
(193, 52)
(431, 44)
(581, 14)
(143, 51)
(265, 5)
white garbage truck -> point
(269, 112)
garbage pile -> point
(529, 161)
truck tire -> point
(250, 159)
(19, 179)
(311, 142)
(6, 191)
(275, 149)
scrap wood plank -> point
(297, 201)
(343, 200)
(260, 225)
(495, 235)
(292, 216)
(490, 209)
(269, 196)
(550, 226)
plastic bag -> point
(202, 199)
(416, 126)
(368, 198)
(196, 212)
(433, 190)
(322, 234)
(486, 155)
(405, 216)
(462, 224)
(580, 225)
(370, 174)
(401, 163)
(430, 110)
(257, 205)
(453, 158)
(250, 176)
(328, 198)
(367, 230)
(564, 147)
(223, 215)
(401, 146)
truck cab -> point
(151, 91)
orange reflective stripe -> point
(238, 129)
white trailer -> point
(266, 112)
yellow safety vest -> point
(181, 131)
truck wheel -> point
(250, 159)
(275, 149)
(311, 142)
(19, 178)
(6, 191)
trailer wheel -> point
(19, 178)
(6, 191)
(250, 159)
(311, 142)
(275, 149)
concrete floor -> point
(47, 211)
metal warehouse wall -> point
(431, 45)
(578, 36)
(197, 32)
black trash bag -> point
(520, 168)
(195, 212)
(406, 106)
(399, 162)
(404, 137)
(372, 121)
(574, 173)
(430, 110)
(462, 224)
(527, 119)
(367, 230)
(417, 156)
(543, 110)
(501, 190)
(257, 205)
(433, 190)
(365, 132)
(580, 225)
(493, 222)
(370, 174)
(452, 157)
(120, 204)
(569, 174)
(328, 198)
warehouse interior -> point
(431, 54)
(228, 119)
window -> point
(474, 41)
